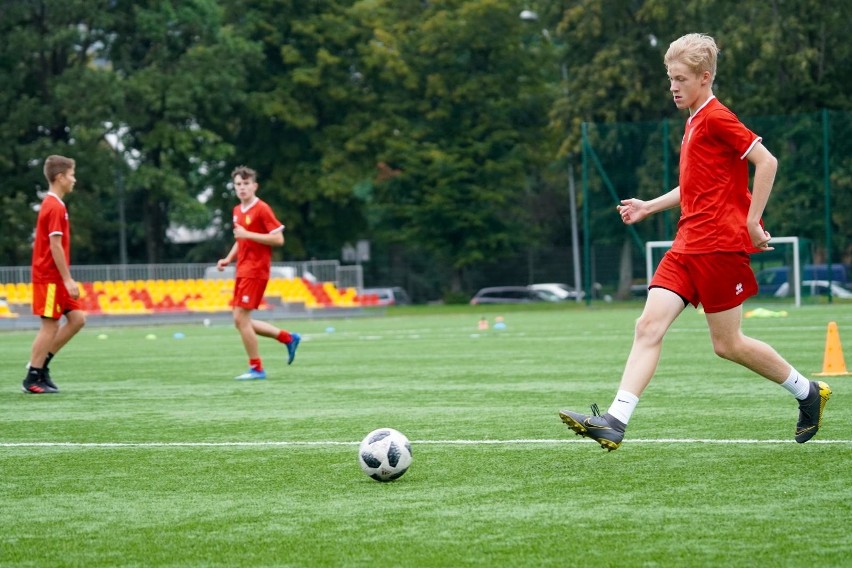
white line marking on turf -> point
(272, 444)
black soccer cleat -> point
(46, 380)
(810, 411)
(604, 429)
(34, 384)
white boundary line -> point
(285, 444)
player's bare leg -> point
(34, 381)
(661, 309)
(74, 322)
(291, 340)
(244, 325)
(730, 343)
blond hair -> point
(55, 165)
(696, 51)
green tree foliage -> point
(439, 130)
(181, 73)
(462, 106)
(300, 123)
(45, 62)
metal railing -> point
(343, 276)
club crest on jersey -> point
(248, 219)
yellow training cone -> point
(833, 364)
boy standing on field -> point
(708, 263)
(55, 293)
(256, 230)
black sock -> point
(47, 359)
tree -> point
(181, 73)
(300, 124)
(462, 105)
(46, 52)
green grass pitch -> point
(153, 455)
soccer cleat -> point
(295, 338)
(46, 380)
(810, 411)
(34, 384)
(251, 375)
(603, 429)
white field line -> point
(330, 443)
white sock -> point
(798, 385)
(623, 405)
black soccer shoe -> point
(34, 384)
(810, 411)
(605, 429)
(46, 380)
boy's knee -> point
(648, 330)
(77, 319)
(726, 349)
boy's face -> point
(65, 181)
(688, 89)
(245, 188)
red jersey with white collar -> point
(52, 220)
(714, 176)
(254, 259)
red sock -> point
(284, 336)
(256, 364)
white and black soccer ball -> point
(385, 454)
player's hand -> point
(632, 210)
(760, 238)
(240, 232)
(73, 289)
(221, 264)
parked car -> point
(562, 291)
(388, 296)
(815, 288)
(512, 295)
(770, 280)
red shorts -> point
(248, 292)
(718, 281)
(51, 300)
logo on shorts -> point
(245, 299)
(739, 288)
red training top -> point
(254, 259)
(52, 220)
(714, 175)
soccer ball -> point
(384, 454)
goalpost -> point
(795, 280)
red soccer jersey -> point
(254, 259)
(714, 175)
(52, 220)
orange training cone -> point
(833, 364)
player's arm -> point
(273, 239)
(58, 254)
(765, 166)
(634, 210)
(223, 262)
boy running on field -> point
(256, 230)
(708, 263)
